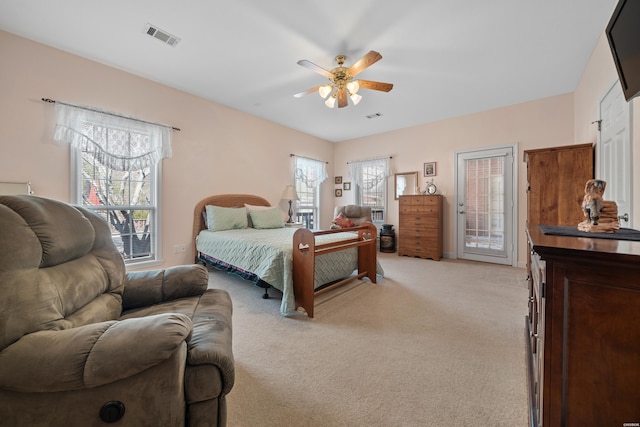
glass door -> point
(485, 205)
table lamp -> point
(290, 194)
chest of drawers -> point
(420, 228)
(583, 335)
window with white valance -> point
(308, 175)
(115, 171)
(370, 180)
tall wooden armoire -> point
(556, 178)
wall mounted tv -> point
(623, 34)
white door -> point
(614, 152)
(486, 205)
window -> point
(370, 178)
(115, 174)
(485, 203)
(308, 174)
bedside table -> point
(294, 224)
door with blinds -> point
(486, 205)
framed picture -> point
(338, 192)
(346, 186)
(430, 169)
(338, 180)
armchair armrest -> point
(91, 355)
(145, 288)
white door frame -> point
(514, 196)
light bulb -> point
(330, 102)
(355, 98)
(353, 86)
(325, 90)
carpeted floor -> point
(431, 344)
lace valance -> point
(375, 167)
(118, 142)
(311, 172)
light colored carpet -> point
(431, 344)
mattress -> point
(268, 253)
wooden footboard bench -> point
(305, 251)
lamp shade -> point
(330, 102)
(325, 90)
(353, 86)
(289, 193)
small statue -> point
(592, 202)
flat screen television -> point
(623, 34)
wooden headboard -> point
(225, 201)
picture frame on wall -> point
(430, 169)
(338, 192)
(346, 186)
(338, 180)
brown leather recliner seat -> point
(84, 343)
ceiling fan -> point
(342, 83)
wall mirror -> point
(405, 184)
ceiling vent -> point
(374, 116)
(162, 35)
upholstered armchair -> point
(84, 343)
(350, 215)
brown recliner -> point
(84, 343)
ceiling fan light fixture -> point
(342, 83)
(325, 90)
(330, 102)
(353, 86)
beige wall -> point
(219, 150)
(223, 150)
(541, 123)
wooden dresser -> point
(420, 229)
(583, 329)
(556, 177)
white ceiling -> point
(445, 58)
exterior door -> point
(614, 151)
(486, 205)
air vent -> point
(162, 35)
(374, 116)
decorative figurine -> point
(592, 202)
(601, 215)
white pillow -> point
(220, 219)
(266, 218)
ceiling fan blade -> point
(368, 84)
(307, 92)
(316, 68)
(366, 61)
(342, 98)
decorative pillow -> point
(266, 218)
(220, 219)
(343, 221)
(254, 208)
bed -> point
(300, 263)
